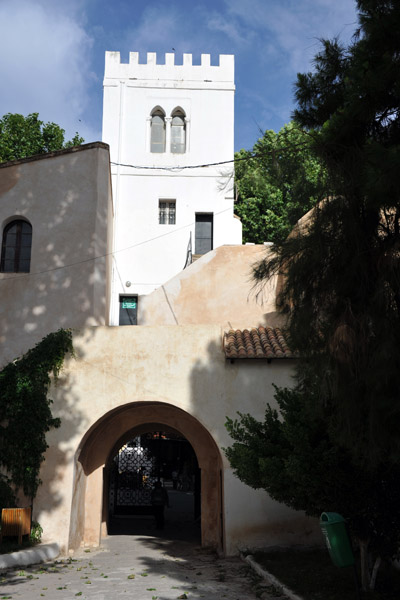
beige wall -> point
(216, 288)
(171, 372)
(121, 372)
(66, 196)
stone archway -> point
(89, 510)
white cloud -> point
(161, 26)
(45, 62)
(218, 22)
(164, 27)
(291, 29)
(155, 27)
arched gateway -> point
(89, 508)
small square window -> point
(167, 212)
(128, 310)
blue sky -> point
(52, 52)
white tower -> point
(160, 121)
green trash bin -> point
(337, 539)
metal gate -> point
(132, 476)
(139, 464)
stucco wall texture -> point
(171, 373)
(216, 288)
(169, 370)
(66, 196)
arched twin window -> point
(158, 131)
(178, 133)
(168, 133)
(16, 247)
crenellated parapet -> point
(151, 70)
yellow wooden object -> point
(15, 522)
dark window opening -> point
(16, 247)
(204, 233)
(167, 212)
(128, 310)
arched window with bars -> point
(16, 247)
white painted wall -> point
(146, 253)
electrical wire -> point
(249, 156)
(80, 262)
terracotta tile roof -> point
(261, 342)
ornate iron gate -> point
(137, 466)
(132, 477)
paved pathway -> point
(139, 567)
(139, 563)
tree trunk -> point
(365, 576)
(374, 573)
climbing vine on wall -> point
(25, 411)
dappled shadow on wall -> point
(66, 285)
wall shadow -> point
(66, 196)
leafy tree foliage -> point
(293, 456)
(277, 182)
(341, 289)
(25, 414)
(26, 136)
(340, 273)
(7, 496)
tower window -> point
(157, 132)
(178, 133)
(204, 233)
(16, 247)
(128, 310)
(167, 212)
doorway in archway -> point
(90, 514)
(154, 454)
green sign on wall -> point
(129, 302)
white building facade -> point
(162, 122)
(195, 356)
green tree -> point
(293, 456)
(341, 271)
(26, 136)
(341, 291)
(277, 182)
